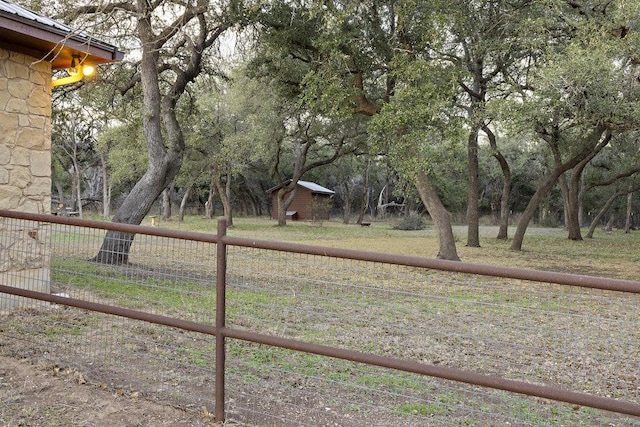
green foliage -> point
(127, 158)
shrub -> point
(411, 222)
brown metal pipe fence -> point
(221, 331)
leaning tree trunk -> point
(601, 214)
(609, 227)
(594, 142)
(632, 189)
(164, 163)
(116, 245)
(161, 129)
(440, 215)
(530, 210)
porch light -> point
(73, 70)
(76, 72)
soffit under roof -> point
(27, 32)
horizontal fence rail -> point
(240, 284)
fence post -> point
(221, 284)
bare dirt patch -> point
(49, 395)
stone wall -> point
(25, 171)
(25, 133)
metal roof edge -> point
(54, 32)
(315, 188)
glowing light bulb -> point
(88, 70)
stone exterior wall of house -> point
(25, 172)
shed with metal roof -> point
(312, 202)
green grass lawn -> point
(613, 254)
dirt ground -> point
(47, 395)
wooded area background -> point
(515, 111)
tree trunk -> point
(570, 200)
(116, 245)
(601, 214)
(346, 209)
(74, 188)
(166, 203)
(441, 217)
(627, 222)
(285, 197)
(60, 191)
(533, 204)
(473, 211)
(254, 203)
(580, 204)
(208, 206)
(106, 187)
(365, 194)
(381, 208)
(183, 204)
(609, 226)
(570, 207)
(164, 163)
(224, 197)
(629, 192)
(503, 230)
(572, 197)
(573, 206)
(364, 204)
(506, 183)
(161, 129)
(78, 187)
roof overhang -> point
(26, 32)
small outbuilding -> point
(312, 202)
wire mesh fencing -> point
(577, 339)
(171, 277)
(571, 338)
